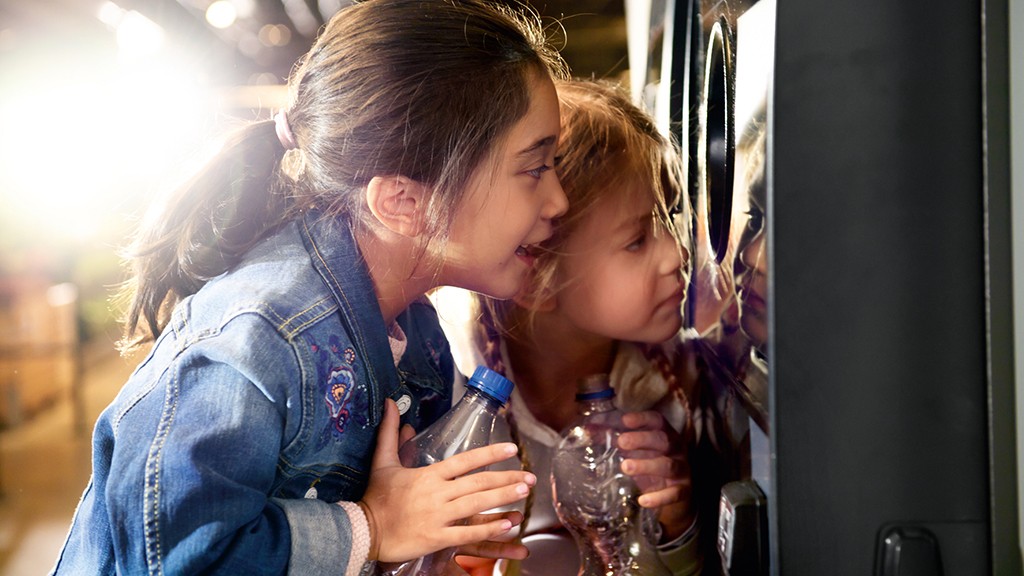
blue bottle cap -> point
(594, 387)
(491, 383)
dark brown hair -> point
(419, 88)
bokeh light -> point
(221, 14)
(93, 127)
(87, 134)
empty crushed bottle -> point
(594, 499)
(469, 424)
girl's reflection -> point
(746, 348)
(751, 264)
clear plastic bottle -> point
(469, 424)
(593, 498)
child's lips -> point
(527, 252)
(752, 300)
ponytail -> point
(204, 229)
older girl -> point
(283, 286)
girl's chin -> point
(505, 292)
(667, 334)
(497, 283)
(668, 326)
(657, 334)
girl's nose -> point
(753, 254)
(670, 254)
(558, 202)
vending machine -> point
(849, 171)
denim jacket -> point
(256, 409)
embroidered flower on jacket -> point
(339, 393)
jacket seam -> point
(151, 500)
(293, 471)
(289, 333)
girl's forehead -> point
(534, 136)
(620, 207)
(540, 126)
(626, 197)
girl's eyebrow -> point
(542, 144)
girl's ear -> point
(398, 203)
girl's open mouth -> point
(527, 253)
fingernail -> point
(511, 449)
(530, 479)
(522, 489)
(506, 525)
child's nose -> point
(670, 254)
(753, 254)
(558, 202)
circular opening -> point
(717, 144)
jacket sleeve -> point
(205, 450)
(314, 554)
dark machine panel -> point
(880, 436)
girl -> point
(612, 278)
(283, 286)
(740, 337)
(750, 266)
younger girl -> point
(283, 286)
(612, 278)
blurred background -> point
(103, 106)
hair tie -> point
(284, 131)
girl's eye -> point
(536, 172)
(637, 244)
(755, 220)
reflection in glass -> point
(732, 275)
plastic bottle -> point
(469, 424)
(593, 498)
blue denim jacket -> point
(257, 407)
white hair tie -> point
(284, 131)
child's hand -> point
(661, 469)
(419, 511)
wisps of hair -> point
(202, 230)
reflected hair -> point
(752, 145)
(425, 89)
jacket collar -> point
(336, 257)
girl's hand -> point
(660, 466)
(419, 511)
